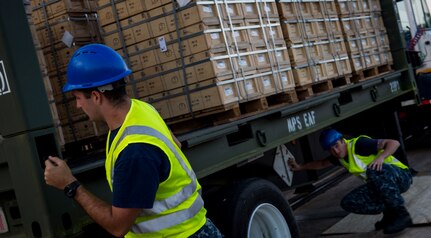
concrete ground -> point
(324, 211)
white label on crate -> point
(266, 82)
(272, 32)
(243, 62)
(3, 223)
(230, 10)
(261, 58)
(353, 44)
(221, 65)
(67, 39)
(284, 78)
(236, 34)
(373, 41)
(377, 59)
(357, 63)
(364, 42)
(4, 83)
(367, 60)
(355, 6)
(347, 26)
(254, 33)
(249, 8)
(342, 6)
(228, 91)
(267, 9)
(215, 36)
(248, 86)
(207, 9)
(162, 44)
(278, 54)
(182, 3)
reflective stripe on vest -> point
(173, 219)
(358, 162)
(159, 206)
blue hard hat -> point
(329, 138)
(94, 65)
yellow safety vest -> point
(178, 209)
(357, 164)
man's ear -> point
(96, 96)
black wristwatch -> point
(70, 189)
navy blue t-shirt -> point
(138, 171)
(364, 146)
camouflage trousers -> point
(382, 190)
(209, 230)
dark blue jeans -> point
(382, 190)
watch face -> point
(70, 190)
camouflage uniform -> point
(209, 230)
(382, 190)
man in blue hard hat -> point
(385, 176)
(155, 191)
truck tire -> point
(255, 208)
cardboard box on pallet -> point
(57, 57)
(386, 57)
(214, 45)
(353, 7)
(302, 53)
(83, 29)
(133, 30)
(259, 10)
(82, 130)
(357, 62)
(316, 51)
(326, 28)
(377, 22)
(109, 14)
(49, 9)
(372, 58)
(329, 48)
(196, 97)
(272, 81)
(354, 25)
(321, 70)
(69, 113)
(294, 10)
(303, 75)
(297, 31)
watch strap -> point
(70, 189)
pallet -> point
(317, 88)
(366, 74)
(228, 113)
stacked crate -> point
(62, 26)
(194, 56)
(315, 42)
(42, 64)
(365, 34)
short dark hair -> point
(116, 96)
